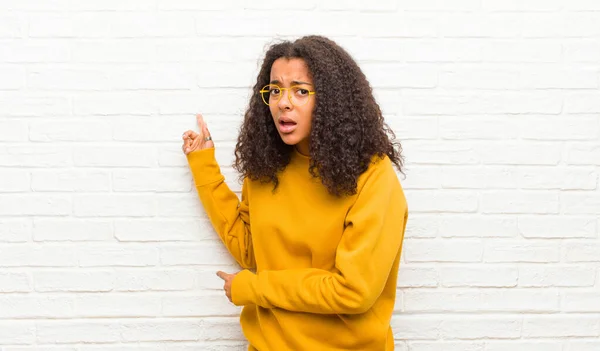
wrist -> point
(243, 288)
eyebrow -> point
(294, 82)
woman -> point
(322, 215)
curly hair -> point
(347, 129)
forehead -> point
(288, 69)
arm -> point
(371, 242)
(228, 215)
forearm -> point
(308, 290)
(227, 214)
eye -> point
(302, 92)
(274, 91)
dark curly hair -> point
(347, 124)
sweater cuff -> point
(243, 288)
(204, 166)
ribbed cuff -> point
(204, 166)
(243, 288)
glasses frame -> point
(263, 90)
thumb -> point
(222, 275)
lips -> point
(286, 124)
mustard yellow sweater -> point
(326, 267)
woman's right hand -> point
(193, 141)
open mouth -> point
(286, 126)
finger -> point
(190, 134)
(195, 143)
(199, 135)
(200, 121)
(222, 275)
(185, 145)
(206, 132)
(193, 135)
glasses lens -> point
(300, 95)
(270, 94)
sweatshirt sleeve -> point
(371, 241)
(228, 215)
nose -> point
(284, 102)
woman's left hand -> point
(228, 278)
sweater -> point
(319, 271)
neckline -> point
(299, 155)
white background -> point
(105, 246)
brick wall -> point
(105, 246)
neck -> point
(303, 148)
(302, 151)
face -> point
(293, 122)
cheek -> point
(273, 110)
(306, 124)
(307, 114)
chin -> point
(289, 139)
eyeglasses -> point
(298, 95)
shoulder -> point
(380, 174)
(380, 186)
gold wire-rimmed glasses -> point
(298, 94)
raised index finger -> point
(200, 121)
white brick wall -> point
(103, 242)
